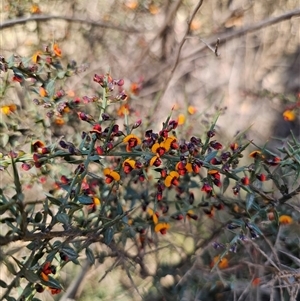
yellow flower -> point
(289, 115)
(164, 146)
(36, 56)
(181, 119)
(128, 165)
(192, 110)
(8, 109)
(172, 179)
(96, 201)
(153, 215)
(131, 141)
(111, 175)
(162, 228)
(285, 220)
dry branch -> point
(42, 18)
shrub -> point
(115, 187)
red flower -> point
(245, 181)
(215, 145)
(262, 177)
(206, 188)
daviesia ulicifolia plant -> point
(114, 182)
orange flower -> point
(111, 175)
(162, 228)
(43, 92)
(164, 146)
(8, 109)
(155, 160)
(172, 179)
(44, 276)
(96, 201)
(289, 115)
(153, 9)
(184, 168)
(195, 25)
(128, 165)
(285, 220)
(59, 121)
(256, 281)
(223, 263)
(35, 9)
(135, 88)
(132, 141)
(123, 110)
(256, 154)
(57, 50)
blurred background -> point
(252, 78)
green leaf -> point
(210, 156)
(51, 255)
(254, 227)
(225, 185)
(63, 218)
(38, 217)
(90, 255)
(4, 138)
(108, 235)
(56, 244)
(70, 252)
(50, 87)
(53, 200)
(3, 284)
(30, 276)
(249, 200)
(276, 217)
(86, 200)
(16, 179)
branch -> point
(288, 196)
(186, 34)
(42, 18)
(225, 37)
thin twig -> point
(185, 35)
(288, 196)
(42, 18)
